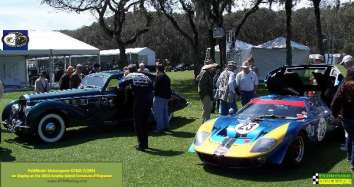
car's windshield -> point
(94, 81)
(272, 109)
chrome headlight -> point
(263, 145)
(15, 108)
(200, 137)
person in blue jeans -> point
(161, 98)
(226, 89)
(343, 107)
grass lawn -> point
(169, 163)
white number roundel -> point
(245, 128)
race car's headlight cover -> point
(200, 137)
(263, 145)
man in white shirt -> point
(246, 82)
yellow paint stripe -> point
(244, 150)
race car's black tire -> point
(51, 128)
(296, 151)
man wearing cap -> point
(226, 89)
(141, 87)
(75, 79)
(246, 82)
(205, 89)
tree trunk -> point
(288, 7)
(211, 44)
(222, 48)
(198, 62)
(316, 5)
(123, 60)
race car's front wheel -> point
(296, 151)
(51, 128)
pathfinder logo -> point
(15, 40)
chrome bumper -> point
(15, 125)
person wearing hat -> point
(205, 89)
(141, 88)
(96, 68)
(42, 83)
(318, 59)
(246, 82)
(76, 77)
(347, 62)
(226, 89)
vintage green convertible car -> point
(96, 102)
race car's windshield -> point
(271, 110)
(93, 81)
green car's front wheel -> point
(51, 128)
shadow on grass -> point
(180, 121)
(5, 155)
(159, 152)
(76, 136)
(80, 135)
(319, 159)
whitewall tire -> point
(51, 128)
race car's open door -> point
(306, 80)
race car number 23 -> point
(245, 128)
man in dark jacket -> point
(161, 98)
(141, 88)
(205, 89)
(64, 82)
(343, 107)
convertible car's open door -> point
(305, 80)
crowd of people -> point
(223, 89)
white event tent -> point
(272, 54)
(238, 53)
(13, 69)
(135, 55)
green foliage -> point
(263, 25)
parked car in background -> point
(183, 67)
(96, 102)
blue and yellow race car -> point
(275, 128)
